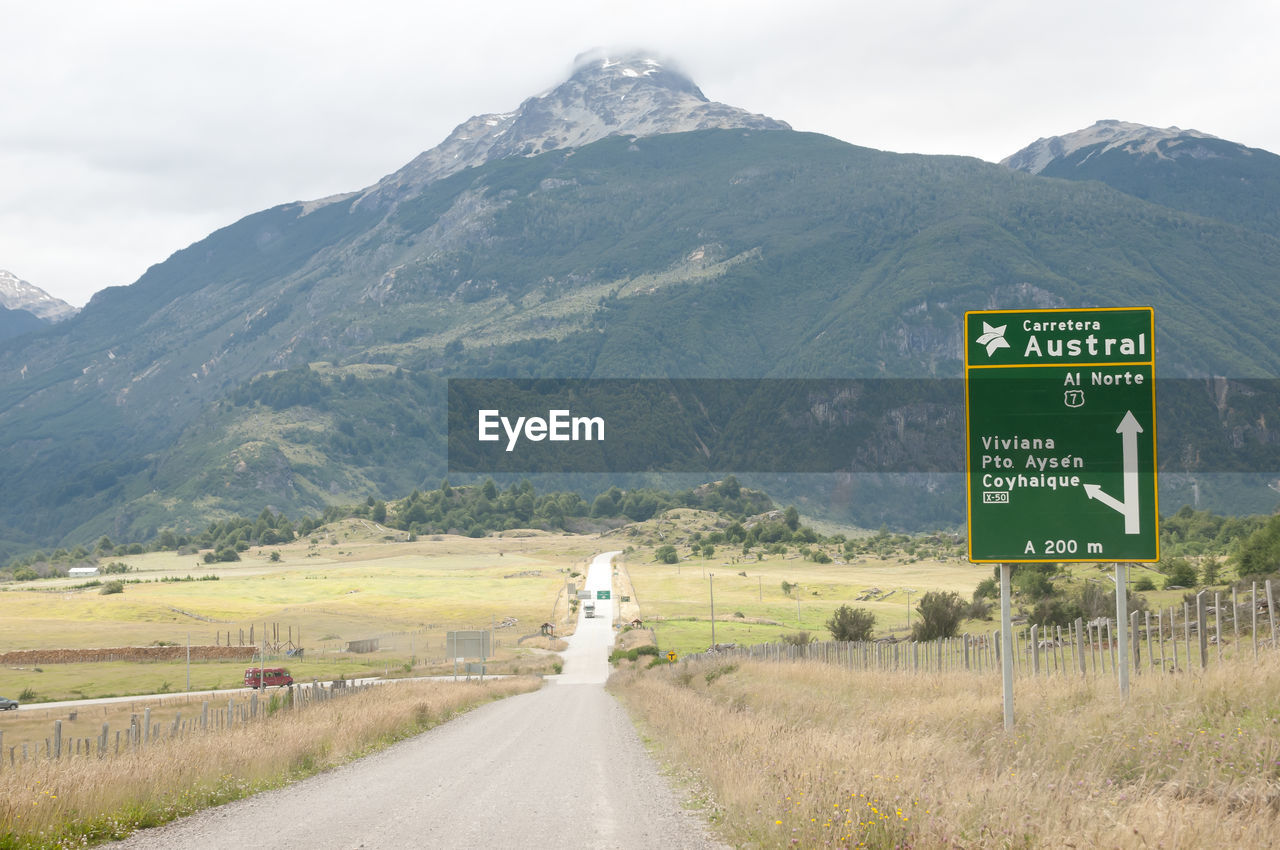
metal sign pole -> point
(1006, 644)
(1122, 626)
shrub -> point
(666, 554)
(1144, 583)
(978, 609)
(116, 586)
(940, 615)
(849, 623)
(797, 638)
(988, 588)
(1180, 573)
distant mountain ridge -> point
(297, 357)
(18, 294)
(1182, 169)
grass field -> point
(675, 599)
(811, 755)
(347, 582)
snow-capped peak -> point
(1105, 135)
(17, 294)
(630, 94)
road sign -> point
(671, 656)
(468, 644)
(1061, 435)
(602, 594)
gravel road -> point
(559, 768)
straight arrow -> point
(1129, 429)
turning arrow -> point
(1129, 429)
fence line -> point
(142, 733)
(1080, 648)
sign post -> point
(1060, 442)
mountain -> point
(17, 322)
(17, 294)
(632, 94)
(298, 357)
(1182, 169)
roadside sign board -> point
(1060, 436)
(671, 656)
(468, 644)
(602, 594)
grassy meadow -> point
(811, 755)
(675, 599)
(349, 581)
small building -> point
(82, 572)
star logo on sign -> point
(992, 338)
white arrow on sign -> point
(1128, 430)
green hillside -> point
(709, 254)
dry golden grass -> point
(59, 803)
(810, 755)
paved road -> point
(559, 768)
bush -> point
(849, 623)
(1179, 573)
(978, 609)
(116, 586)
(940, 615)
(797, 638)
(25, 574)
(988, 588)
(1144, 583)
(666, 554)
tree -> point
(1260, 553)
(1179, 573)
(940, 615)
(791, 517)
(666, 554)
(849, 623)
(1210, 570)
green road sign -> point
(1061, 435)
(602, 594)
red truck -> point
(257, 676)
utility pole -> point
(909, 592)
(711, 580)
(188, 660)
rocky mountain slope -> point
(297, 357)
(1183, 169)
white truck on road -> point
(589, 607)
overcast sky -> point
(129, 130)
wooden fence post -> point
(1080, 646)
(1253, 603)
(1203, 629)
(1133, 637)
(57, 738)
(1271, 614)
(1186, 630)
(1217, 622)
